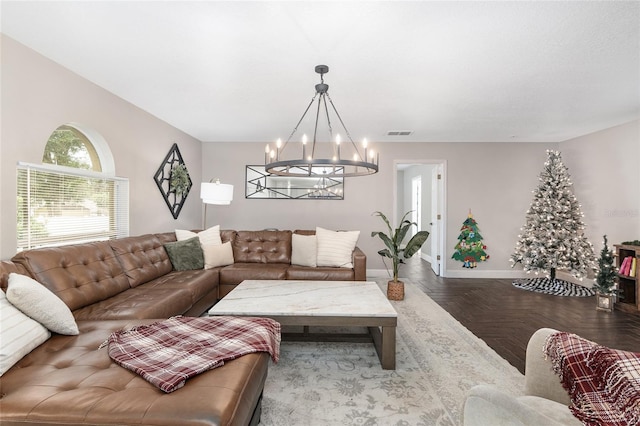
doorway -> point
(416, 203)
(427, 203)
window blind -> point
(62, 205)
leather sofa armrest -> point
(7, 267)
(359, 265)
(539, 378)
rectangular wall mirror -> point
(260, 184)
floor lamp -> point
(215, 193)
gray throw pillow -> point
(185, 254)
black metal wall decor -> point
(260, 184)
(173, 180)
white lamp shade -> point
(216, 193)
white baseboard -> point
(378, 273)
(475, 273)
(478, 273)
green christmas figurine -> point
(470, 250)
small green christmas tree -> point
(606, 276)
(470, 249)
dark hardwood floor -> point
(505, 317)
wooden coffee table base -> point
(319, 304)
(382, 336)
(385, 344)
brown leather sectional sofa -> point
(120, 283)
(266, 255)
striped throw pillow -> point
(335, 248)
(19, 334)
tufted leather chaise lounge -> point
(120, 283)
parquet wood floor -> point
(505, 317)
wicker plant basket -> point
(395, 290)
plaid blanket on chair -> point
(603, 383)
(169, 352)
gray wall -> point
(38, 95)
(495, 180)
(605, 170)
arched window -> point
(69, 198)
(70, 147)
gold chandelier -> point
(342, 160)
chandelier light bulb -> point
(304, 146)
(279, 143)
(338, 140)
(364, 145)
(267, 152)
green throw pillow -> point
(185, 254)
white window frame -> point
(119, 224)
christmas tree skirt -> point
(556, 287)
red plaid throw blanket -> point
(603, 383)
(168, 352)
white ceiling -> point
(448, 71)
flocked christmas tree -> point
(552, 237)
(470, 250)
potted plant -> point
(605, 280)
(396, 252)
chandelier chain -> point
(345, 128)
(326, 111)
(295, 129)
(315, 129)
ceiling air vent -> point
(399, 132)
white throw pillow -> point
(39, 303)
(335, 248)
(218, 255)
(208, 239)
(304, 250)
(210, 236)
(19, 334)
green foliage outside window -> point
(66, 147)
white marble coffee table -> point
(319, 303)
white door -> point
(416, 204)
(436, 218)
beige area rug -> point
(438, 361)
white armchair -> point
(545, 402)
